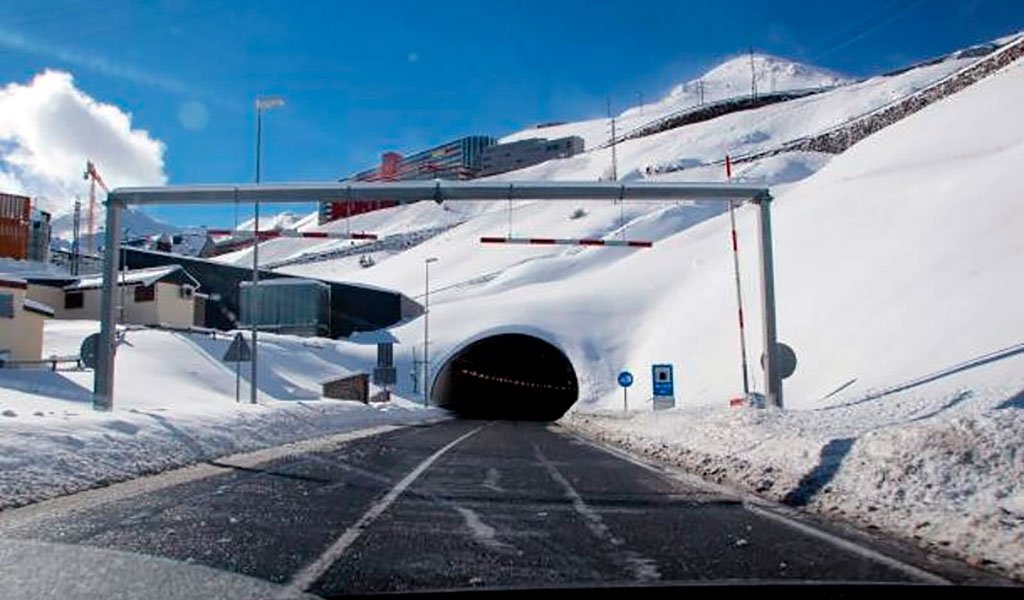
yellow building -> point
(21, 321)
(156, 296)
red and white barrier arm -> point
(566, 242)
(290, 233)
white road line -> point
(643, 568)
(766, 509)
(309, 575)
(849, 546)
(151, 483)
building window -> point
(74, 300)
(6, 306)
(145, 293)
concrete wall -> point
(50, 296)
(172, 309)
(22, 335)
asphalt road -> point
(459, 504)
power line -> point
(892, 18)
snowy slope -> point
(696, 144)
(733, 78)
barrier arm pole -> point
(103, 379)
(773, 382)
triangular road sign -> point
(239, 350)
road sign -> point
(88, 350)
(664, 388)
(625, 379)
(661, 377)
(239, 350)
(787, 360)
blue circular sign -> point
(625, 379)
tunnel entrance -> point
(507, 376)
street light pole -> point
(261, 103)
(426, 332)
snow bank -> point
(174, 406)
(949, 483)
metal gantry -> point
(437, 190)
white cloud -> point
(49, 128)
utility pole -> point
(261, 104)
(76, 237)
(753, 75)
(426, 331)
(615, 162)
(640, 98)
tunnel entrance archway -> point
(507, 376)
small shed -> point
(21, 321)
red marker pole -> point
(739, 287)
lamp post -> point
(426, 331)
(262, 103)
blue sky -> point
(363, 77)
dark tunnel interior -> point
(507, 376)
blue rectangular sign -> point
(661, 378)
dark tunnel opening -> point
(508, 376)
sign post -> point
(664, 389)
(238, 352)
(625, 380)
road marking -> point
(764, 508)
(151, 483)
(643, 568)
(315, 570)
(847, 545)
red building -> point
(15, 224)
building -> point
(456, 160)
(21, 321)
(502, 158)
(39, 236)
(24, 231)
(155, 296)
(352, 307)
(15, 219)
(292, 306)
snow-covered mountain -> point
(136, 222)
(733, 78)
(693, 145)
(282, 220)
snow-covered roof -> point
(138, 276)
(38, 307)
(379, 336)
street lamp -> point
(426, 331)
(262, 103)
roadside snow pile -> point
(950, 482)
(175, 406)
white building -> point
(155, 296)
